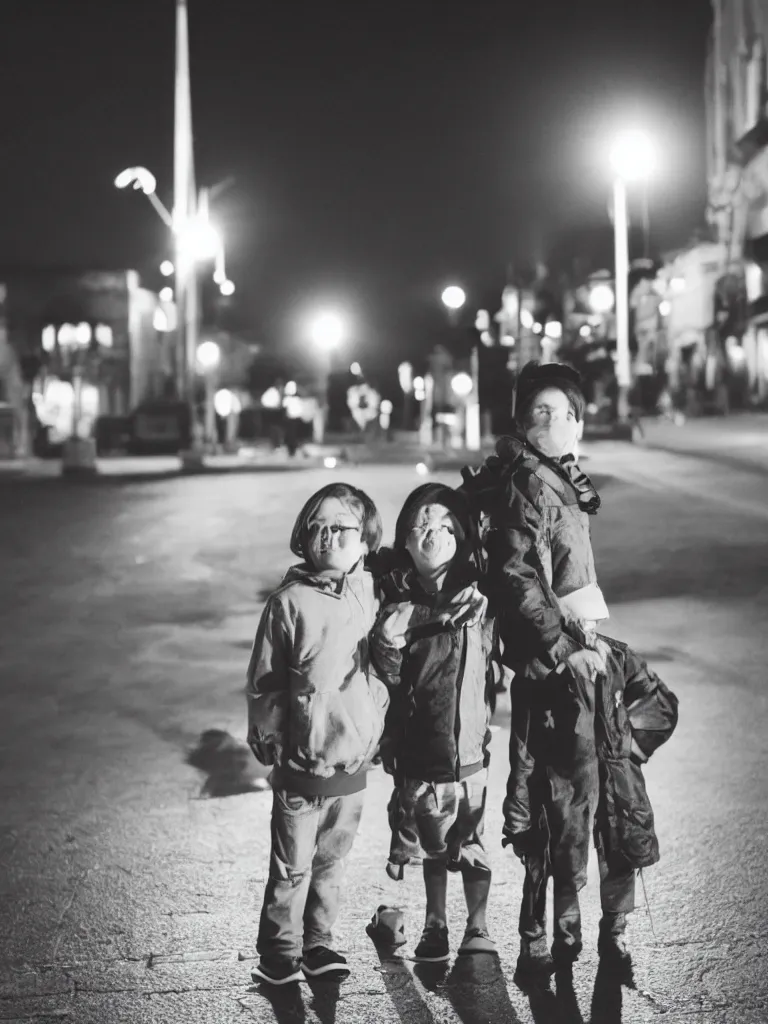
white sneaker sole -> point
(432, 959)
(259, 975)
(326, 969)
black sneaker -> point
(433, 947)
(322, 960)
(277, 970)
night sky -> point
(379, 149)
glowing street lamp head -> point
(462, 385)
(327, 331)
(166, 268)
(632, 156)
(227, 288)
(601, 298)
(199, 241)
(208, 355)
(139, 177)
(453, 297)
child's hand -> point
(394, 624)
(467, 608)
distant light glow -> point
(422, 468)
(601, 298)
(329, 462)
(386, 407)
(166, 268)
(677, 284)
(49, 338)
(632, 155)
(226, 402)
(454, 297)
(585, 330)
(160, 319)
(227, 288)
(103, 335)
(83, 334)
(271, 399)
(665, 307)
(553, 329)
(166, 294)
(327, 331)
(462, 385)
(537, 328)
(291, 388)
(526, 319)
(356, 370)
(208, 355)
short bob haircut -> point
(371, 528)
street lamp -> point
(326, 332)
(631, 160)
(454, 298)
(208, 359)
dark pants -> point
(617, 899)
(311, 837)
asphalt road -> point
(131, 879)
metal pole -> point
(472, 408)
(646, 220)
(621, 250)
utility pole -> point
(184, 210)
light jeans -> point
(311, 837)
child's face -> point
(551, 424)
(335, 537)
(432, 540)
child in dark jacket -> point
(437, 732)
(315, 714)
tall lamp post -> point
(194, 238)
(631, 160)
(453, 299)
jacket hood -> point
(302, 572)
(483, 486)
(396, 575)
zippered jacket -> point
(312, 708)
(441, 687)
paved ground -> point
(131, 880)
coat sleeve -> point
(530, 615)
(651, 706)
(267, 687)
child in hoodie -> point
(316, 717)
(437, 732)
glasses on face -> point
(328, 531)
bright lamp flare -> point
(326, 331)
(208, 355)
(140, 178)
(632, 156)
(454, 297)
(601, 298)
(166, 268)
(199, 241)
(462, 385)
(227, 288)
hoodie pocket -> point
(335, 728)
